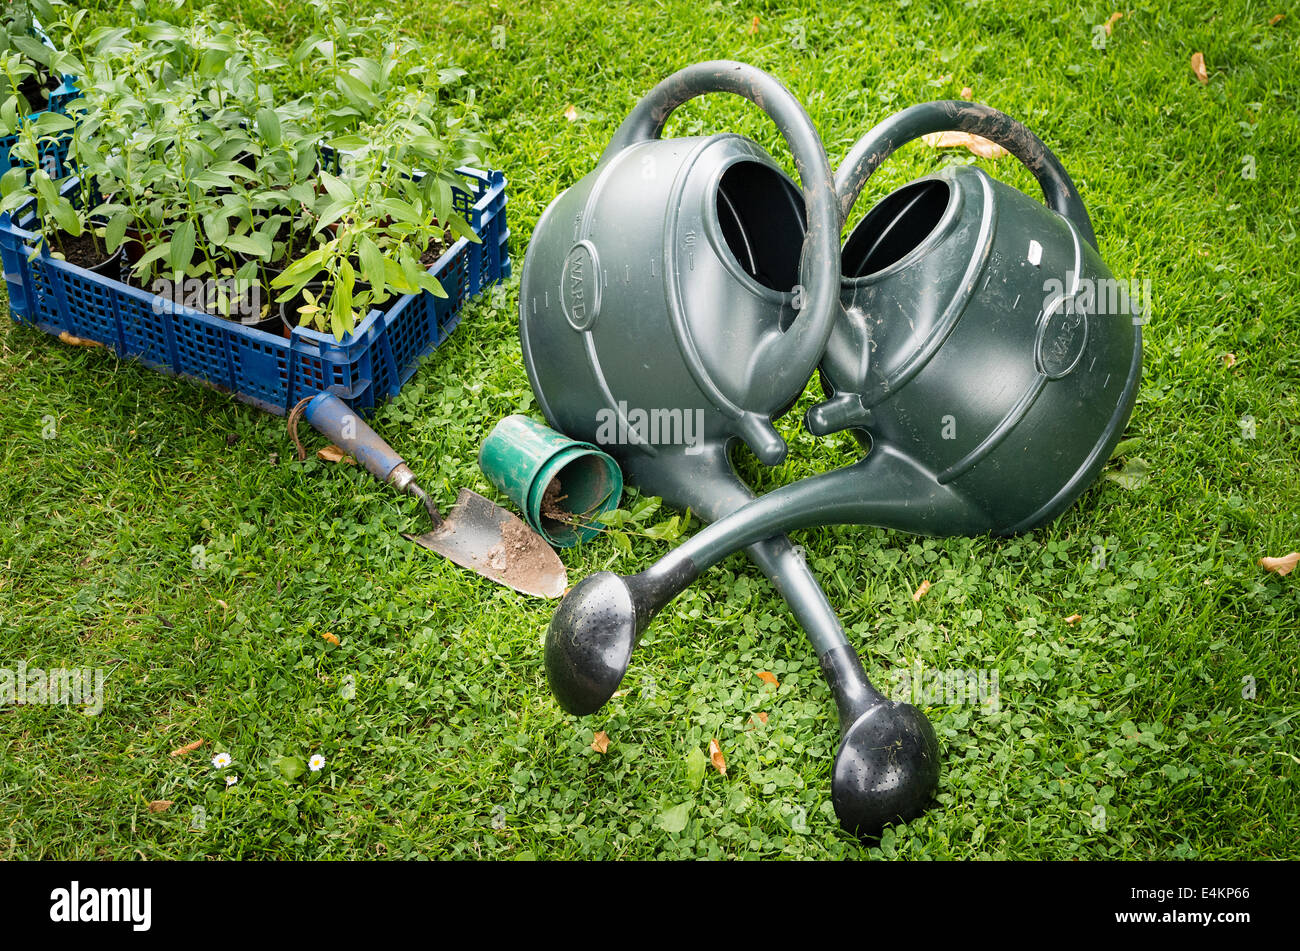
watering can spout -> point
(601, 619)
(705, 483)
(887, 488)
(887, 766)
(900, 493)
(844, 411)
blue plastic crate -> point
(54, 156)
(365, 367)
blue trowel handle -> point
(342, 425)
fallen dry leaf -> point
(768, 678)
(332, 638)
(1198, 67)
(78, 341)
(716, 758)
(919, 593)
(753, 25)
(757, 720)
(986, 149)
(571, 113)
(188, 748)
(1114, 17)
(967, 93)
(160, 805)
(600, 743)
(1281, 566)
(333, 453)
(955, 140)
(1229, 359)
(1074, 619)
(1277, 19)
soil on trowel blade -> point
(522, 556)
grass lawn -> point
(164, 533)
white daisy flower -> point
(221, 760)
(232, 779)
(316, 763)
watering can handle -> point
(785, 359)
(957, 116)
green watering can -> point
(673, 302)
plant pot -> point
(560, 483)
(134, 244)
(269, 325)
(112, 267)
(288, 310)
(251, 306)
(37, 90)
(84, 253)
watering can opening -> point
(762, 219)
(896, 227)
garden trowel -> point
(476, 534)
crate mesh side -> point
(266, 369)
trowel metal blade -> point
(482, 536)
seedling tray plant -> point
(270, 248)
